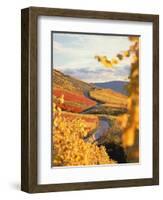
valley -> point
(98, 107)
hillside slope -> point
(80, 96)
(73, 91)
(70, 83)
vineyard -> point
(73, 102)
(109, 97)
(93, 125)
(70, 149)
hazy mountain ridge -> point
(118, 86)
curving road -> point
(103, 126)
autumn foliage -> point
(69, 146)
(129, 122)
(71, 128)
(73, 102)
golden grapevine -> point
(130, 121)
(69, 147)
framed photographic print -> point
(90, 99)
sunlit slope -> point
(109, 97)
(70, 83)
(73, 92)
(80, 96)
(73, 101)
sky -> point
(74, 55)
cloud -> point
(74, 54)
(99, 75)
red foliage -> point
(71, 108)
(81, 101)
(70, 96)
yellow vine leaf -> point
(69, 147)
(129, 122)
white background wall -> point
(10, 98)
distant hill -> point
(118, 86)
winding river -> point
(102, 128)
(115, 151)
